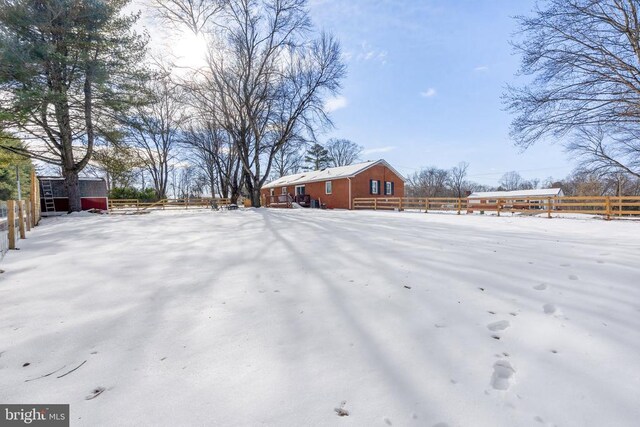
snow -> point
(326, 174)
(309, 317)
(538, 192)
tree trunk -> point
(71, 183)
(255, 197)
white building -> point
(529, 199)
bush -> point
(146, 195)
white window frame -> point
(299, 186)
(284, 190)
(328, 187)
(272, 192)
(374, 187)
(388, 188)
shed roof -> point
(328, 174)
(538, 192)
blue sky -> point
(424, 84)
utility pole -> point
(18, 182)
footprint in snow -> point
(503, 372)
(550, 308)
(540, 287)
(573, 277)
(341, 411)
(500, 325)
(95, 393)
(440, 325)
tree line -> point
(437, 182)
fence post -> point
(498, 206)
(28, 214)
(608, 207)
(375, 203)
(459, 205)
(548, 207)
(400, 203)
(11, 221)
(35, 199)
(21, 219)
(620, 206)
(426, 205)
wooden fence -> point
(137, 205)
(18, 217)
(609, 206)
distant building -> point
(335, 188)
(528, 198)
(54, 197)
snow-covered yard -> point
(290, 317)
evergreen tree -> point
(317, 158)
(8, 163)
(66, 68)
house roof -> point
(539, 192)
(327, 174)
(60, 178)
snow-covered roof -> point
(60, 178)
(327, 174)
(538, 192)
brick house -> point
(335, 188)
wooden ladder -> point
(47, 194)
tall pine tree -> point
(317, 158)
(66, 68)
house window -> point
(272, 192)
(328, 187)
(299, 190)
(374, 187)
(284, 190)
(388, 188)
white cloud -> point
(379, 149)
(369, 53)
(431, 92)
(335, 103)
(481, 69)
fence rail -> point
(137, 205)
(609, 206)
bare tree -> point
(196, 15)
(512, 181)
(155, 129)
(457, 177)
(268, 81)
(429, 182)
(287, 161)
(217, 157)
(600, 152)
(343, 152)
(584, 56)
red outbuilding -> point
(54, 197)
(335, 188)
